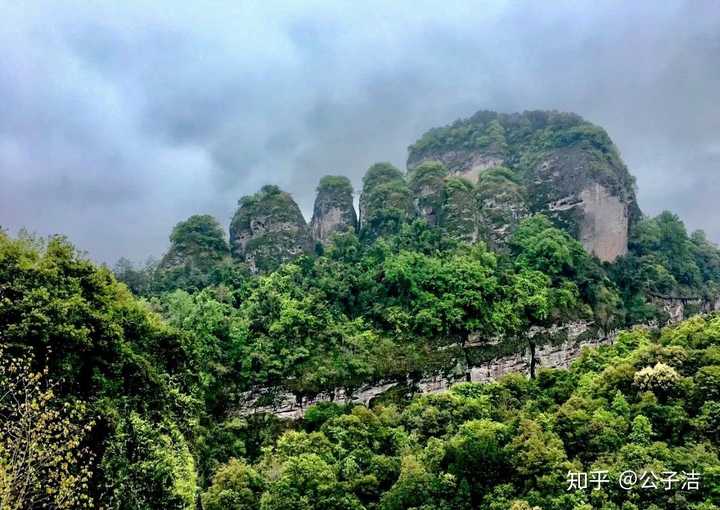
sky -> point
(119, 119)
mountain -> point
(490, 260)
(539, 162)
(333, 211)
(268, 229)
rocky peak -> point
(427, 185)
(268, 229)
(385, 201)
(333, 211)
(562, 166)
(460, 210)
(197, 242)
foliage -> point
(511, 443)
(166, 370)
(110, 359)
(385, 202)
(44, 458)
(235, 486)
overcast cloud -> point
(118, 122)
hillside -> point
(509, 243)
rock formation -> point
(427, 185)
(385, 201)
(460, 216)
(268, 229)
(334, 211)
(501, 203)
(573, 338)
(558, 164)
(195, 242)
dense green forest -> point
(128, 388)
(148, 385)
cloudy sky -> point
(116, 122)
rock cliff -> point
(268, 229)
(195, 243)
(333, 211)
(554, 163)
(427, 185)
(385, 201)
(460, 216)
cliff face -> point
(427, 185)
(268, 229)
(385, 201)
(195, 243)
(587, 194)
(460, 217)
(333, 211)
(502, 204)
(554, 163)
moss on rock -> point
(427, 185)
(333, 211)
(268, 229)
(561, 165)
(385, 202)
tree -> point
(235, 486)
(477, 454)
(44, 458)
(443, 298)
(138, 279)
(549, 265)
(149, 465)
(307, 482)
(199, 255)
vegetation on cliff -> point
(648, 404)
(268, 229)
(385, 202)
(553, 157)
(141, 395)
(333, 211)
(158, 383)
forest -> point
(126, 388)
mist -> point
(116, 122)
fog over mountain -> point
(118, 122)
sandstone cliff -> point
(195, 242)
(427, 185)
(385, 201)
(268, 229)
(557, 164)
(333, 211)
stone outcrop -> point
(472, 151)
(268, 229)
(550, 355)
(592, 205)
(678, 308)
(385, 201)
(605, 225)
(460, 216)
(427, 185)
(466, 164)
(195, 243)
(333, 211)
(560, 164)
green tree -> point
(235, 486)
